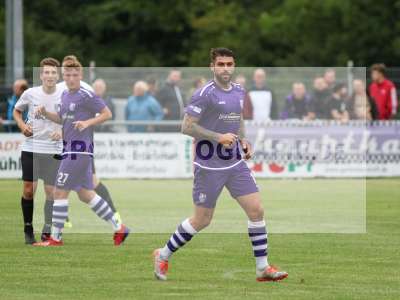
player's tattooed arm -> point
(191, 127)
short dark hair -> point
(338, 87)
(381, 68)
(215, 52)
(49, 61)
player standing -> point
(214, 119)
(80, 111)
(43, 141)
(99, 187)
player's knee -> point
(28, 191)
(59, 194)
(49, 193)
(206, 221)
(256, 213)
(28, 194)
(201, 221)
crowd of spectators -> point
(326, 99)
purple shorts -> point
(208, 184)
(75, 174)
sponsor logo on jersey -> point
(72, 106)
(231, 117)
(195, 108)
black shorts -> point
(39, 166)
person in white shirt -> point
(259, 103)
(42, 145)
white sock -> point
(178, 239)
(103, 210)
(60, 215)
(259, 239)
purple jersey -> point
(75, 106)
(220, 111)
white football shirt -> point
(41, 141)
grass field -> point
(214, 265)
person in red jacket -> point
(383, 91)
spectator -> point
(3, 112)
(142, 106)
(20, 85)
(383, 91)
(153, 86)
(259, 103)
(330, 79)
(359, 106)
(320, 96)
(337, 108)
(299, 104)
(171, 98)
(198, 83)
(241, 79)
(100, 89)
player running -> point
(214, 119)
(43, 141)
(80, 110)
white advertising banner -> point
(282, 149)
(140, 155)
(10, 153)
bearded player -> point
(214, 119)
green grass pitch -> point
(215, 265)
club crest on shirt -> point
(72, 106)
(202, 197)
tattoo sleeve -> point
(192, 128)
(242, 132)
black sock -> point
(48, 215)
(27, 212)
(102, 191)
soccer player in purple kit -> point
(214, 119)
(78, 117)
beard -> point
(224, 77)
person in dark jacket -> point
(299, 104)
(320, 96)
(171, 98)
